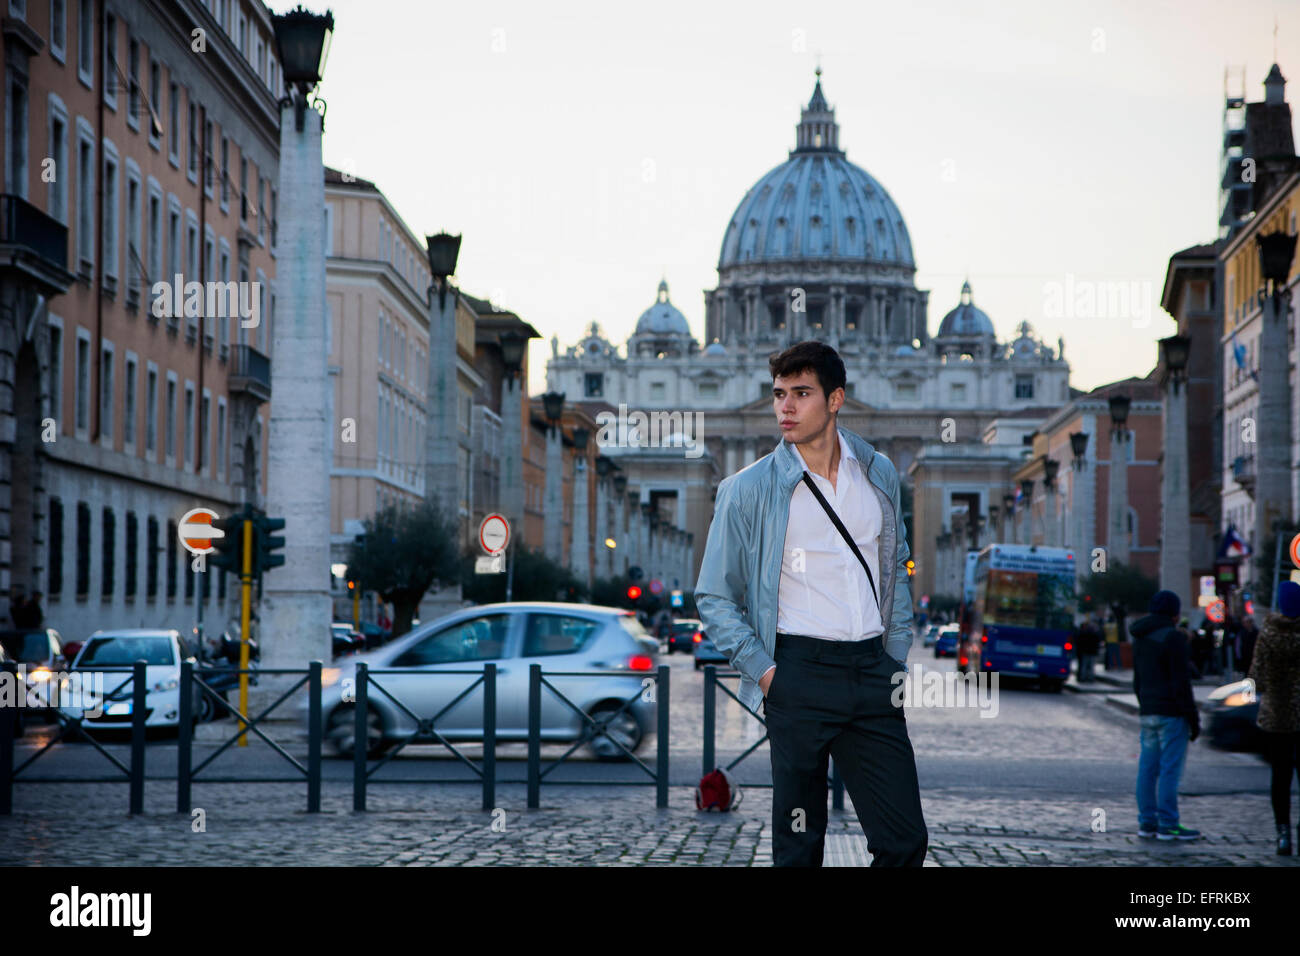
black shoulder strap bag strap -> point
(830, 513)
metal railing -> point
(250, 371)
(712, 681)
(22, 224)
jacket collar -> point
(790, 465)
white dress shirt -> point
(824, 590)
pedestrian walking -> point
(823, 644)
(1087, 642)
(1168, 715)
(1275, 669)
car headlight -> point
(329, 676)
(169, 684)
(39, 675)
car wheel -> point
(204, 711)
(340, 731)
(624, 728)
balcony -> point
(1243, 473)
(250, 373)
(33, 246)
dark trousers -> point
(1283, 753)
(834, 698)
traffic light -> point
(911, 567)
(265, 545)
(634, 573)
(229, 555)
(633, 593)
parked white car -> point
(162, 652)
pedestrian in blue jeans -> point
(1168, 714)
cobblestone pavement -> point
(411, 826)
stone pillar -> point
(604, 559)
(441, 458)
(553, 534)
(296, 609)
(580, 548)
(1273, 434)
(1117, 539)
(635, 557)
(1175, 506)
(512, 440)
(731, 455)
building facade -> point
(136, 385)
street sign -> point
(656, 587)
(196, 531)
(1295, 551)
(1207, 585)
(675, 598)
(492, 564)
(1216, 612)
(494, 533)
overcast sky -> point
(586, 149)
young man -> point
(1168, 714)
(817, 636)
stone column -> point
(1273, 433)
(580, 548)
(731, 455)
(1117, 539)
(604, 558)
(296, 609)
(1175, 507)
(441, 460)
(512, 440)
(553, 534)
(634, 556)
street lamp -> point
(553, 405)
(1078, 445)
(443, 251)
(1174, 350)
(302, 39)
(603, 466)
(1050, 468)
(512, 352)
(1276, 250)
(1119, 406)
(620, 484)
(580, 436)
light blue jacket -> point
(741, 572)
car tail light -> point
(1069, 646)
(640, 662)
(963, 661)
(988, 663)
(699, 636)
(984, 638)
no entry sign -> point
(196, 531)
(494, 534)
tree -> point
(403, 551)
(1121, 588)
(537, 578)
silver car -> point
(608, 642)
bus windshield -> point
(1041, 600)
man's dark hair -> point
(823, 360)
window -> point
(85, 199)
(658, 390)
(155, 233)
(1024, 386)
(134, 106)
(204, 455)
(151, 558)
(58, 189)
(478, 639)
(557, 634)
(108, 544)
(155, 100)
(223, 321)
(151, 411)
(957, 392)
(83, 381)
(261, 58)
(221, 437)
(174, 130)
(225, 173)
(275, 205)
(707, 389)
(905, 391)
(261, 219)
(110, 217)
(241, 331)
(106, 394)
(189, 424)
(128, 410)
(59, 31)
(192, 159)
(243, 189)
(56, 371)
(132, 257)
(86, 42)
(241, 34)
(55, 572)
(16, 132)
(132, 552)
(110, 61)
(171, 560)
(383, 344)
(173, 237)
(207, 158)
(169, 419)
(83, 550)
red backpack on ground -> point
(718, 791)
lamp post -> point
(296, 608)
(553, 536)
(1083, 491)
(1050, 531)
(1027, 500)
(1273, 432)
(1175, 506)
(511, 498)
(580, 544)
(619, 558)
(1117, 537)
(441, 458)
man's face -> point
(803, 411)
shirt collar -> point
(846, 452)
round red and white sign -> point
(494, 533)
(1295, 551)
(1216, 612)
(196, 531)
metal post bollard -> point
(313, 736)
(8, 728)
(661, 771)
(185, 740)
(360, 739)
(489, 736)
(138, 692)
(534, 735)
(710, 715)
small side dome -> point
(715, 349)
(662, 318)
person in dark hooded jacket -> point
(1168, 714)
(1275, 669)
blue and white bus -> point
(1022, 616)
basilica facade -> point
(816, 249)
